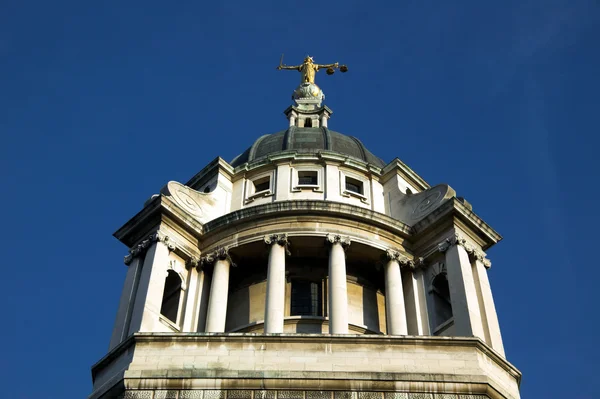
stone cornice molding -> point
(333, 239)
(220, 253)
(403, 261)
(459, 240)
(143, 246)
(279, 239)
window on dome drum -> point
(442, 307)
(306, 298)
(262, 184)
(308, 122)
(171, 295)
(308, 178)
(354, 186)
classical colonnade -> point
(337, 295)
(406, 302)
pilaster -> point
(148, 300)
(463, 293)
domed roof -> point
(310, 140)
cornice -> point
(455, 208)
(322, 156)
(151, 216)
(216, 165)
(406, 172)
(310, 207)
(182, 338)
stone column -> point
(192, 300)
(415, 294)
(275, 299)
(463, 293)
(219, 290)
(338, 291)
(148, 298)
(127, 301)
(394, 295)
(492, 327)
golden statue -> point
(308, 69)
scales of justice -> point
(308, 92)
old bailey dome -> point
(306, 268)
(308, 140)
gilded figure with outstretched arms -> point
(308, 69)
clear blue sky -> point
(104, 102)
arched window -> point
(171, 294)
(440, 292)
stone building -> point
(306, 268)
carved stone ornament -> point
(457, 239)
(143, 246)
(279, 239)
(193, 262)
(338, 239)
(220, 253)
(403, 261)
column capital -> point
(403, 261)
(279, 239)
(337, 239)
(193, 261)
(474, 254)
(221, 253)
(143, 246)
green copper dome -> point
(310, 140)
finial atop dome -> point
(308, 93)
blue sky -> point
(102, 103)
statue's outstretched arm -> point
(297, 67)
(319, 66)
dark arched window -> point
(442, 307)
(171, 294)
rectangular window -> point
(306, 298)
(262, 184)
(308, 178)
(354, 185)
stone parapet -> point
(308, 362)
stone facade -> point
(306, 273)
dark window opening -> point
(262, 184)
(441, 299)
(307, 178)
(354, 185)
(207, 189)
(171, 294)
(306, 299)
(308, 122)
